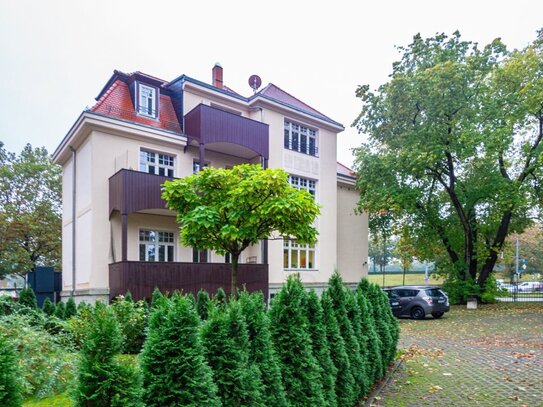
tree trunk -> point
(234, 275)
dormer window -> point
(147, 101)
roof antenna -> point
(255, 82)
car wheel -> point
(417, 313)
(437, 315)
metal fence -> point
(529, 291)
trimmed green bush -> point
(202, 304)
(60, 311)
(10, 385)
(132, 320)
(290, 335)
(28, 298)
(367, 325)
(48, 307)
(359, 368)
(71, 308)
(346, 389)
(226, 347)
(156, 296)
(261, 350)
(175, 371)
(103, 380)
(321, 350)
(220, 298)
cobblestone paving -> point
(492, 356)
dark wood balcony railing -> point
(131, 191)
(141, 278)
(208, 125)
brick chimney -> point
(217, 75)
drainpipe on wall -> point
(73, 218)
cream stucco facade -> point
(102, 145)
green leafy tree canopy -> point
(455, 147)
(230, 210)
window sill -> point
(298, 270)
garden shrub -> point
(338, 294)
(47, 361)
(367, 325)
(175, 371)
(292, 342)
(202, 304)
(102, 379)
(8, 305)
(71, 308)
(321, 350)
(346, 390)
(28, 298)
(48, 307)
(10, 385)
(220, 298)
(261, 351)
(132, 320)
(79, 325)
(226, 347)
(156, 297)
(60, 311)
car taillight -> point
(428, 300)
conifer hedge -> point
(48, 307)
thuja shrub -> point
(202, 304)
(338, 294)
(346, 389)
(226, 347)
(321, 350)
(175, 371)
(261, 352)
(132, 318)
(10, 384)
(292, 342)
(367, 325)
(102, 379)
(71, 308)
(392, 322)
(28, 298)
(48, 307)
(60, 311)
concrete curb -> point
(383, 383)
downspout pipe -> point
(73, 217)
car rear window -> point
(434, 292)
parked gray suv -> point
(418, 301)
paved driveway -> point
(492, 356)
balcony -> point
(218, 130)
(141, 278)
(132, 191)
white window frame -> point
(295, 133)
(153, 162)
(301, 183)
(196, 166)
(145, 94)
(292, 255)
(153, 240)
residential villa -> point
(117, 233)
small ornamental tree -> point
(10, 385)
(226, 347)
(346, 390)
(367, 325)
(48, 307)
(261, 350)
(202, 304)
(290, 335)
(71, 308)
(102, 379)
(175, 371)
(28, 298)
(321, 350)
(230, 210)
(338, 294)
(60, 311)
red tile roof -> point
(276, 93)
(344, 170)
(116, 102)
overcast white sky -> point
(55, 56)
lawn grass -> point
(397, 279)
(60, 400)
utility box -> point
(472, 301)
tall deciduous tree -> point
(455, 147)
(230, 210)
(30, 210)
